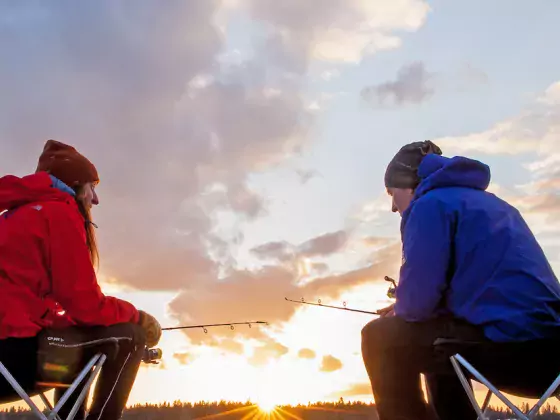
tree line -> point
(230, 410)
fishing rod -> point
(390, 294)
(331, 306)
(152, 355)
(206, 326)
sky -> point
(241, 146)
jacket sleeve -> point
(427, 242)
(74, 283)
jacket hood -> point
(437, 171)
(15, 191)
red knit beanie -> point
(65, 163)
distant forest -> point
(235, 410)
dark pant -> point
(115, 380)
(396, 352)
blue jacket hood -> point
(437, 171)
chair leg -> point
(46, 401)
(21, 392)
(48, 406)
(551, 389)
(467, 387)
(98, 360)
(86, 388)
(486, 402)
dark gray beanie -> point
(402, 171)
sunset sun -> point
(266, 404)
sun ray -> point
(254, 413)
(276, 415)
(290, 415)
(226, 413)
(333, 410)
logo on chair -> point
(55, 367)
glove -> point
(151, 327)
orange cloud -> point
(266, 352)
(330, 364)
(306, 354)
(251, 295)
(377, 241)
(259, 295)
(356, 390)
(320, 267)
(184, 358)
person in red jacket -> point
(48, 255)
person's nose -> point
(95, 198)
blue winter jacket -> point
(470, 254)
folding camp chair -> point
(62, 363)
(459, 361)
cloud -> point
(266, 352)
(326, 244)
(175, 128)
(551, 95)
(183, 358)
(306, 176)
(160, 365)
(173, 133)
(244, 201)
(306, 354)
(319, 267)
(322, 245)
(281, 250)
(330, 364)
(377, 241)
(222, 337)
(411, 86)
(534, 130)
(355, 390)
(339, 30)
(534, 134)
(251, 295)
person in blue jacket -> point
(471, 270)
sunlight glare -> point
(266, 404)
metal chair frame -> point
(95, 363)
(459, 361)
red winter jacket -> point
(45, 267)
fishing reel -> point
(392, 292)
(151, 356)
